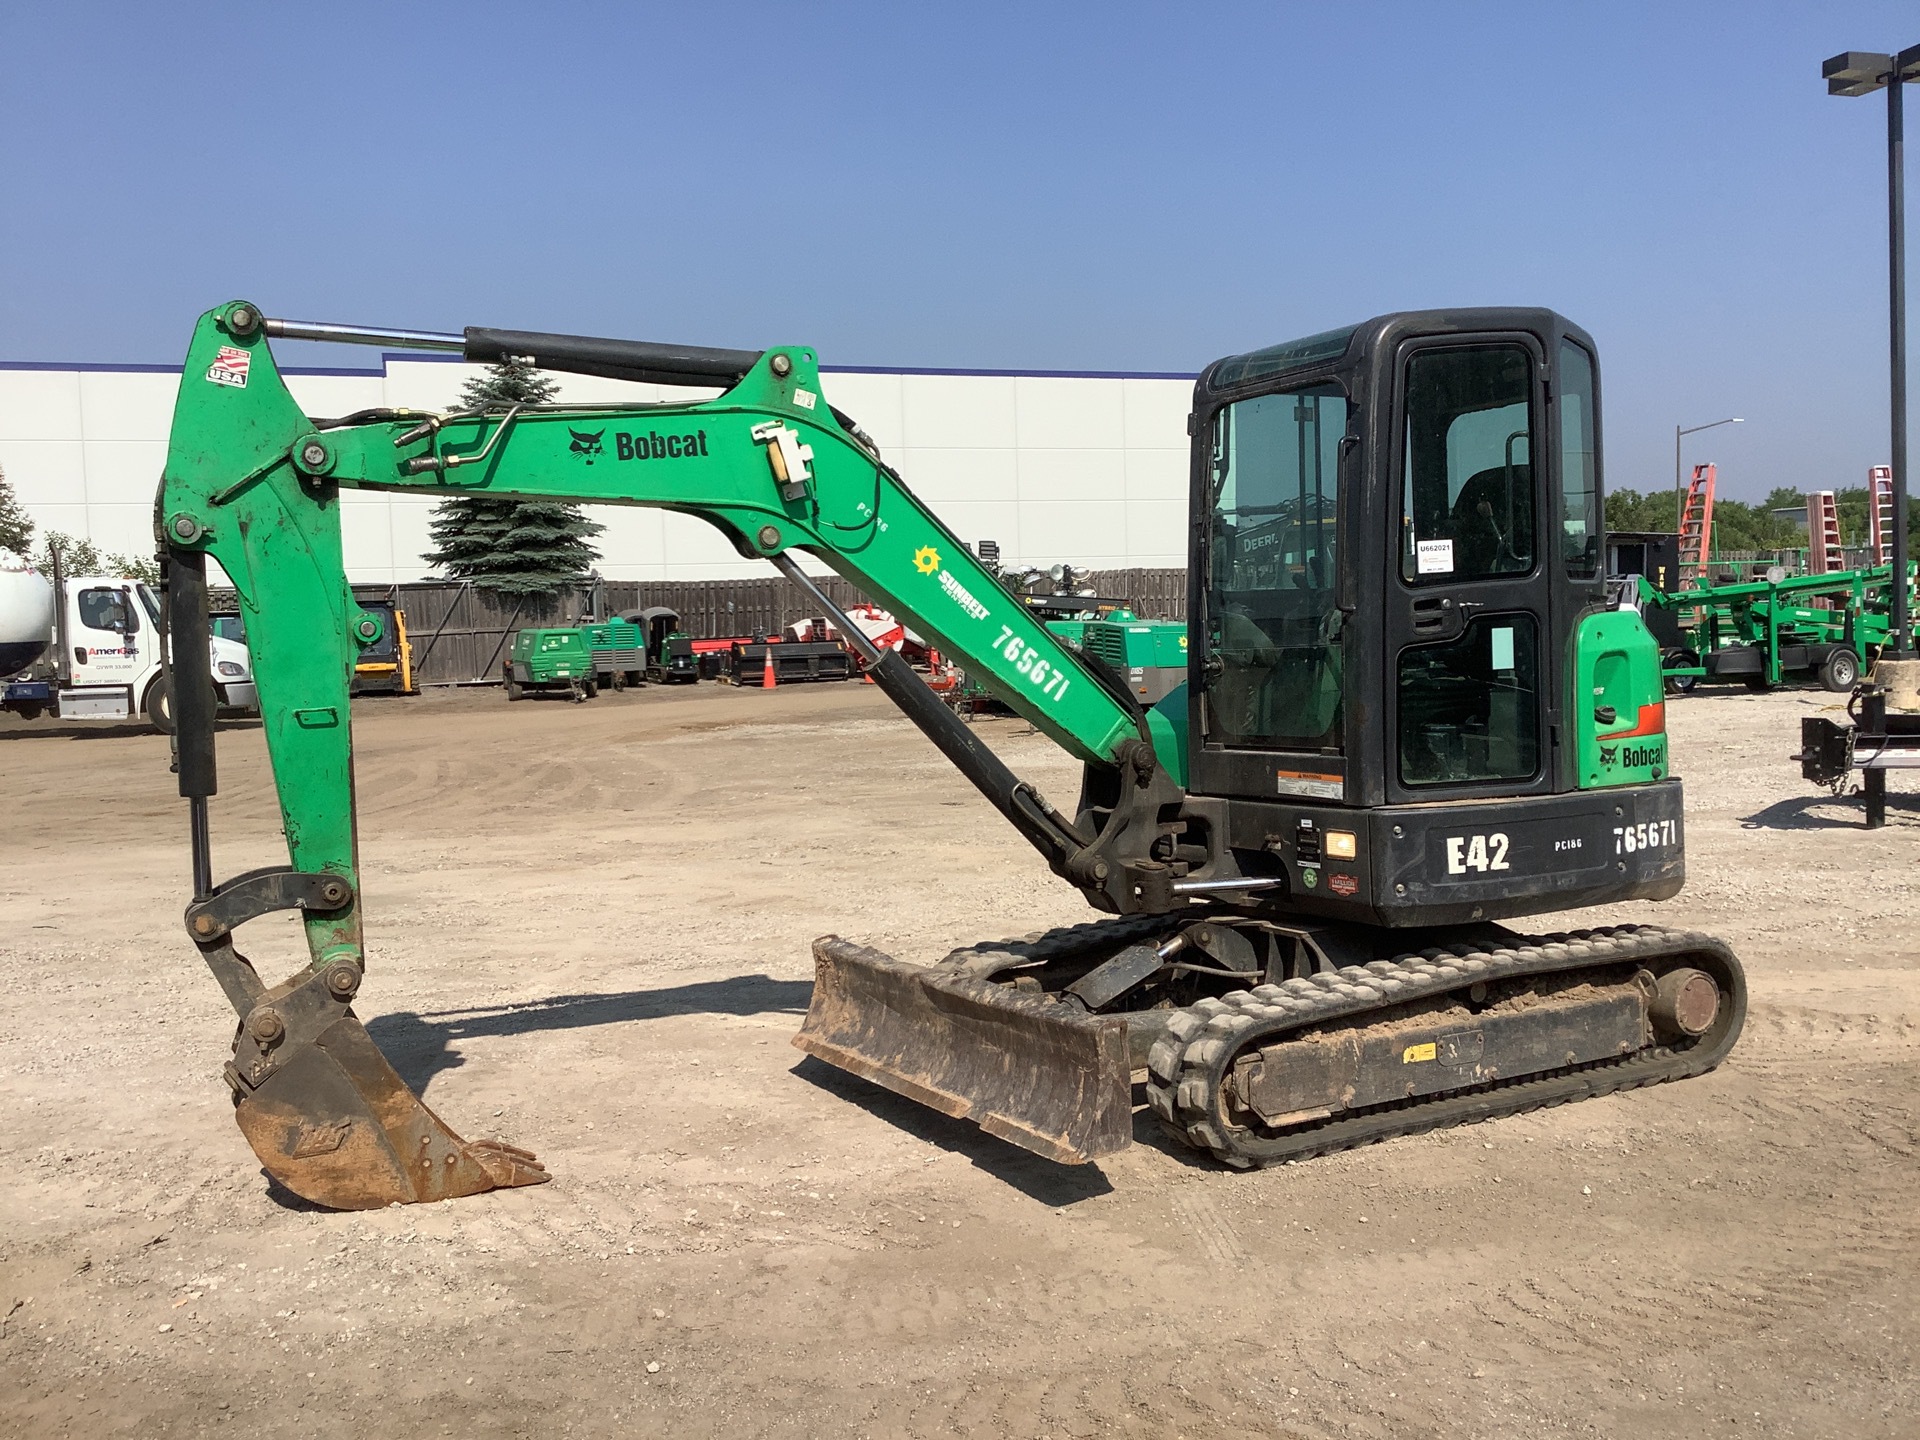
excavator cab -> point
(1398, 611)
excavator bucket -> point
(335, 1124)
(1045, 1076)
(329, 1118)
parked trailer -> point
(793, 661)
(1763, 632)
(552, 660)
(619, 653)
(669, 649)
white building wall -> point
(1087, 470)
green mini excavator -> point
(1409, 716)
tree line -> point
(1739, 526)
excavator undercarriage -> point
(1040, 1041)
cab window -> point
(102, 609)
(1579, 474)
(1273, 626)
(1468, 491)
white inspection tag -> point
(1433, 557)
(1503, 648)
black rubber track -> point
(1188, 1066)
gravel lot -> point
(589, 929)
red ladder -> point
(1823, 533)
(1880, 513)
(1696, 526)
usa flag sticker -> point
(229, 367)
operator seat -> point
(1489, 515)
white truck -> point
(88, 648)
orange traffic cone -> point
(767, 682)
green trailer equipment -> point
(669, 649)
(552, 660)
(1149, 655)
(619, 649)
(1766, 632)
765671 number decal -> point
(1049, 681)
(1648, 835)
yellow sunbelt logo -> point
(926, 560)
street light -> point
(1861, 73)
(1678, 516)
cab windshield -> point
(1273, 626)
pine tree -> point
(16, 530)
(512, 547)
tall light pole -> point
(1860, 72)
(1678, 431)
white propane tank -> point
(26, 614)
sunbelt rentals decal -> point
(1026, 660)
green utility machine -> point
(1767, 632)
(669, 649)
(1149, 655)
(1410, 716)
(619, 649)
(551, 660)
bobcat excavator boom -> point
(1274, 1018)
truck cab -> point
(105, 660)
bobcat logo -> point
(585, 444)
(1607, 754)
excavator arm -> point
(254, 483)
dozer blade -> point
(1045, 1076)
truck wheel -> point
(159, 705)
(1841, 672)
(592, 687)
(1758, 684)
(514, 692)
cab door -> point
(106, 636)
(1471, 662)
(1270, 657)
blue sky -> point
(1047, 186)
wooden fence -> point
(459, 634)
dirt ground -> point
(589, 929)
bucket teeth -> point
(1044, 1076)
